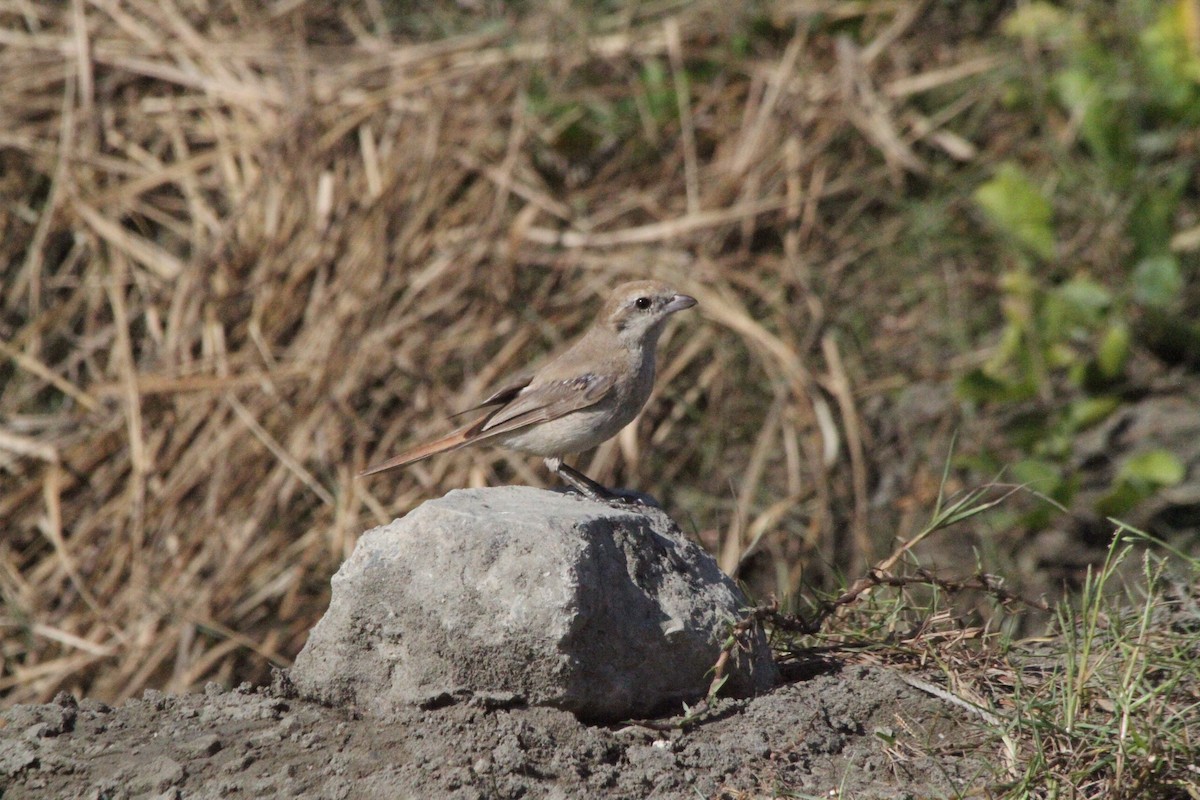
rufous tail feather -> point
(451, 441)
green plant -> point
(1114, 716)
(1128, 90)
(1103, 705)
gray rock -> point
(157, 776)
(606, 612)
(16, 755)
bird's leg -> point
(582, 483)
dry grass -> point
(246, 250)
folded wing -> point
(515, 406)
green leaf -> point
(1113, 353)
(1157, 280)
(980, 387)
(1029, 429)
(1169, 52)
(716, 687)
(1017, 208)
(1155, 207)
(1038, 20)
(1090, 410)
(1091, 98)
(1041, 476)
(1085, 297)
(1074, 308)
(1154, 468)
(1138, 478)
(1120, 499)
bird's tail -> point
(451, 441)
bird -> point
(578, 399)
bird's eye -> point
(642, 303)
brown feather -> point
(549, 401)
(501, 396)
(521, 409)
(451, 441)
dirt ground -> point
(856, 731)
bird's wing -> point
(523, 406)
(505, 394)
(547, 401)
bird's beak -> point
(679, 302)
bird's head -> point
(637, 311)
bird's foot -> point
(623, 498)
(596, 491)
